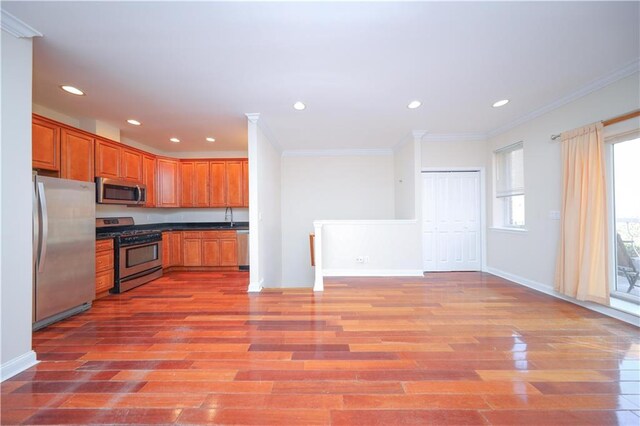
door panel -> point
(451, 221)
(186, 184)
(107, 160)
(45, 145)
(218, 193)
(131, 164)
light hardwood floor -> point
(450, 348)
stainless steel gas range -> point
(138, 253)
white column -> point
(254, 204)
(16, 263)
(318, 285)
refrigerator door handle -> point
(45, 227)
(35, 226)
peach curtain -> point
(582, 267)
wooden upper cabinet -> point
(217, 184)
(45, 144)
(131, 165)
(76, 155)
(233, 177)
(201, 184)
(245, 183)
(186, 184)
(168, 183)
(107, 159)
(149, 179)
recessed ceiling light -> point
(501, 103)
(134, 122)
(211, 139)
(299, 106)
(72, 90)
(414, 104)
(174, 140)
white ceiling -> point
(193, 69)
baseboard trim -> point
(255, 287)
(17, 365)
(372, 272)
(534, 285)
(291, 285)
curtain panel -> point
(582, 265)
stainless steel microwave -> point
(113, 191)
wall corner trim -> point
(253, 116)
(17, 27)
(542, 288)
(17, 365)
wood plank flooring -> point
(450, 348)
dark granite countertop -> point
(105, 233)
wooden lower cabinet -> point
(191, 249)
(200, 249)
(171, 249)
(104, 267)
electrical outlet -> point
(554, 215)
(360, 259)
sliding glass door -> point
(626, 217)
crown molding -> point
(626, 71)
(454, 137)
(16, 27)
(336, 152)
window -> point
(626, 215)
(509, 186)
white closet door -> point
(451, 221)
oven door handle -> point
(139, 198)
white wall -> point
(454, 153)
(320, 188)
(531, 256)
(389, 248)
(404, 181)
(56, 115)
(16, 189)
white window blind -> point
(510, 171)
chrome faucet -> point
(228, 215)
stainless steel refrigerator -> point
(64, 246)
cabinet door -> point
(186, 184)
(107, 159)
(131, 165)
(45, 145)
(228, 252)
(168, 181)
(149, 179)
(201, 184)
(210, 252)
(245, 183)
(192, 252)
(217, 184)
(233, 175)
(166, 249)
(176, 248)
(76, 155)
